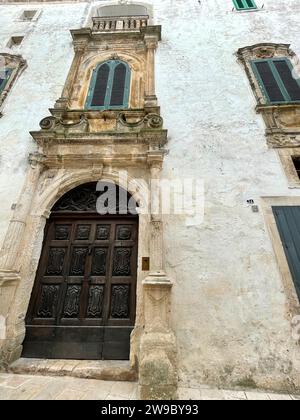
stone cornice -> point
(151, 137)
(84, 35)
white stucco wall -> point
(229, 305)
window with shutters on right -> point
(277, 79)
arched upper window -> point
(110, 86)
(123, 10)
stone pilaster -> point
(151, 45)
(63, 101)
(158, 364)
(10, 254)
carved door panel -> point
(83, 301)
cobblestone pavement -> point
(27, 387)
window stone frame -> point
(267, 204)
(282, 120)
(17, 65)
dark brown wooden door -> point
(84, 300)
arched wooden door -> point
(84, 299)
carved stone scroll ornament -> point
(283, 140)
(152, 120)
(56, 124)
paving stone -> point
(189, 394)
(26, 392)
(123, 389)
(116, 397)
(37, 387)
(96, 395)
(280, 397)
(71, 394)
(51, 390)
(5, 393)
(15, 381)
(135, 395)
(234, 395)
(257, 396)
(211, 395)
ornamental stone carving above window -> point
(273, 73)
(11, 67)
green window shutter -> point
(118, 87)
(269, 82)
(4, 77)
(290, 83)
(276, 80)
(100, 86)
(110, 86)
(244, 4)
(288, 224)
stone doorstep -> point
(105, 370)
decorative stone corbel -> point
(61, 126)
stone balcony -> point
(120, 23)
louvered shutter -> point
(288, 223)
(3, 78)
(118, 87)
(240, 4)
(288, 80)
(250, 3)
(268, 79)
(100, 88)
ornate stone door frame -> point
(152, 339)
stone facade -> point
(217, 303)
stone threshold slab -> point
(87, 369)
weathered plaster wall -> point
(229, 308)
(48, 50)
